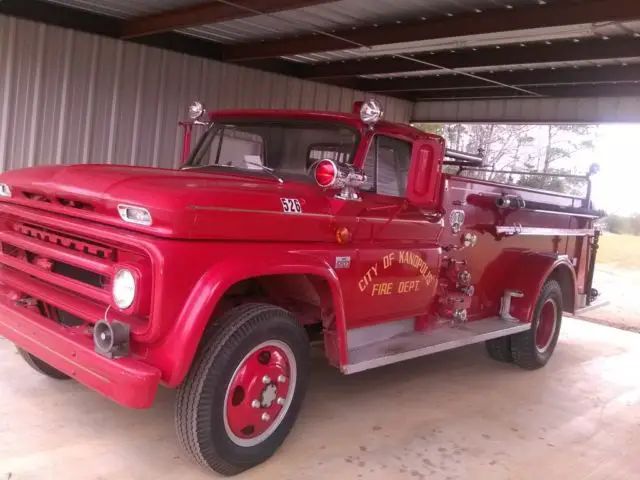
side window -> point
(370, 166)
(392, 157)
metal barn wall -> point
(71, 97)
(531, 110)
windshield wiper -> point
(269, 170)
(264, 168)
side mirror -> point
(425, 177)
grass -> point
(619, 250)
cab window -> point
(387, 166)
(287, 147)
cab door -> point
(397, 268)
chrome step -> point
(414, 344)
(599, 303)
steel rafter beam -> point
(557, 91)
(559, 51)
(76, 19)
(207, 13)
(524, 78)
(559, 13)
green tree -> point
(564, 141)
(617, 224)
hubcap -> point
(546, 325)
(259, 393)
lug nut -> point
(280, 401)
(282, 379)
(266, 417)
(266, 379)
(255, 404)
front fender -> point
(175, 355)
(529, 274)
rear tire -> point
(42, 367)
(533, 349)
(244, 390)
(499, 349)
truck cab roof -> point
(349, 119)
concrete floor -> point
(455, 415)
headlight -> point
(5, 190)
(124, 288)
(133, 214)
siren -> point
(111, 339)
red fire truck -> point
(280, 228)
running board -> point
(417, 344)
(594, 306)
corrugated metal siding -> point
(70, 97)
(531, 110)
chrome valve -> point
(460, 315)
(464, 278)
(469, 239)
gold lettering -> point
(409, 286)
(381, 289)
(374, 267)
(387, 260)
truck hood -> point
(183, 203)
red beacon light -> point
(329, 175)
(326, 173)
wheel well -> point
(562, 274)
(307, 297)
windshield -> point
(286, 147)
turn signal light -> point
(326, 173)
(343, 235)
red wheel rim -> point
(259, 393)
(546, 325)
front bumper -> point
(127, 381)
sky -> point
(616, 189)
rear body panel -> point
(495, 256)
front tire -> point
(244, 390)
(42, 367)
(533, 349)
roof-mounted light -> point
(371, 111)
(197, 110)
(135, 215)
(5, 190)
